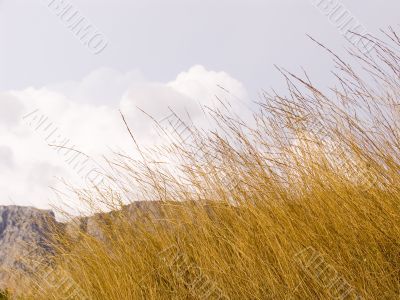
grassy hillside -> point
(303, 202)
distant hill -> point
(26, 232)
(23, 230)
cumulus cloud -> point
(103, 86)
(85, 116)
(10, 111)
(203, 85)
(6, 157)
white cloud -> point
(103, 86)
(203, 85)
(6, 158)
(87, 114)
(10, 110)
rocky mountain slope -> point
(25, 231)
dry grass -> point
(304, 204)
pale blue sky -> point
(163, 37)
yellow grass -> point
(304, 203)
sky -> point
(58, 85)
